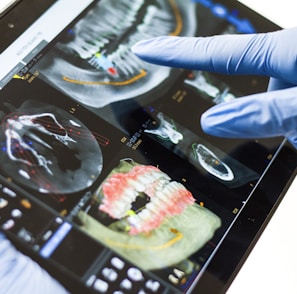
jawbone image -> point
(145, 216)
(93, 62)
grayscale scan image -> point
(92, 62)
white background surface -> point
(282, 12)
(271, 268)
(272, 265)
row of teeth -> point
(94, 36)
(100, 27)
(167, 198)
(151, 27)
(118, 209)
(155, 23)
(159, 207)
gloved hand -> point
(20, 274)
(273, 54)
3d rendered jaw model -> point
(155, 220)
(48, 150)
(93, 63)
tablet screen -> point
(103, 153)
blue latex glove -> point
(274, 54)
(20, 274)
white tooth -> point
(151, 11)
(144, 32)
(163, 15)
(152, 29)
(100, 42)
(117, 214)
(144, 214)
(161, 183)
(160, 175)
(91, 48)
(137, 4)
(163, 196)
(130, 17)
(161, 24)
(112, 13)
(161, 201)
(128, 66)
(120, 64)
(87, 36)
(126, 198)
(144, 179)
(120, 208)
(177, 186)
(159, 186)
(158, 201)
(172, 187)
(130, 59)
(133, 220)
(139, 187)
(80, 51)
(122, 50)
(151, 207)
(103, 27)
(131, 194)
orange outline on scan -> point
(178, 237)
(179, 25)
(123, 83)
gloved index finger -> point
(271, 54)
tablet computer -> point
(107, 179)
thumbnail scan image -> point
(211, 163)
(147, 217)
(93, 62)
(200, 153)
(47, 149)
(166, 130)
(215, 91)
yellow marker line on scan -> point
(123, 83)
(176, 32)
(179, 22)
(178, 237)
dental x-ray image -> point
(47, 149)
(209, 88)
(92, 62)
(197, 151)
(147, 217)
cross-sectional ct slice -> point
(49, 150)
(147, 217)
(212, 164)
(93, 62)
(165, 130)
